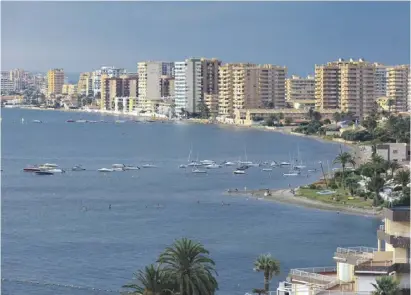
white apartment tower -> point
(380, 87)
(195, 78)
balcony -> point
(320, 276)
(384, 267)
(397, 213)
(354, 255)
(396, 239)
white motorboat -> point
(118, 165)
(37, 121)
(119, 169)
(149, 166)
(126, 167)
(193, 164)
(267, 169)
(274, 164)
(285, 164)
(239, 171)
(229, 163)
(300, 166)
(78, 168)
(312, 170)
(207, 162)
(198, 171)
(81, 121)
(55, 170)
(248, 163)
(212, 166)
(105, 170)
(49, 166)
(292, 173)
(182, 166)
(254, 165)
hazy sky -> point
(82, 36)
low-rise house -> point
(399, 152)
(357, 268)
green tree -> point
(269, 267)
(203, 110)
(310, 114)
(402, 177)
(189, 265)
(317, 116)
(344, 158)
(375, 185)
(337, 117)
(393, 166)
(352, 183)
(151, 281)
(386, 285)
(327, 121)
(281, 116)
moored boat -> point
(70, 121)
(238, 171)
(31, 169)
(198, 171)
(54, 170)
(128, 167)
(212, 166)
(44, 172)
(149, 166)
(182, 166)
(37, 121)
(105, 170)
(267, 169)
(78, 168)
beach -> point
(285, 196)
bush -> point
(333, 185)
(352, 135)
(312, 186)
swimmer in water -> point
(109, 207)
(198, 202)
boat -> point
(44, 172)
(267, 169)
(292, 173)
(239, 171)
(285, 164)
(70, 121)
(254, 165)
(48, 166)
(118, 165)
(274, 164)
(212, 166)
(182, 166)
(55, 170)
(118, 169)
(92, 121)
(37, 121)
(243, 167)
(300, 165)
(105, 170)
(312, 170)
(193, 163)
(119, 121)
(229, 163)
(207, 162)
(198, 171)
(81, 121)
(127, 167)
(149, 166)
(31, 169)
(77, 168)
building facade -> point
(85, 84)
(149, 82)
(380, 87)
(55, 81)
(298, 88)
(110, 72)
(398, 86)
(248, 86)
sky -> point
(83, 36)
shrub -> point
(312, 186)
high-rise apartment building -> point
(380, 85)
(398, 87)
(195, 78)
(167, 69)
(85, 84)
(149, 82)
(349, 86)
(110, 72)
(298, 88)
(110, 89)
(55, 81)
(244, 86)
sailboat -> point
(293, 171)
(188, 160)
(300, 166)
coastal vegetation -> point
(184, 268)
(386, 285)
(269, 267)
(363, 186)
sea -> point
(59, 235)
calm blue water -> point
(47, 237)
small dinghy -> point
(238, 171)
(78, 168)
(105, 170)
(131, 168)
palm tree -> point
(375, 185)
(269, 266)
(386, 285)
(403, 177)
(152, 281)
(393, 166)
(344, 158)
(352, 184)
(189, 265)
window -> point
(395, 151)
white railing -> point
(357, 250)
(400, 234)
(312, 275)
(382, 227)
(319, 269)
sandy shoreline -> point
(286, 197)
